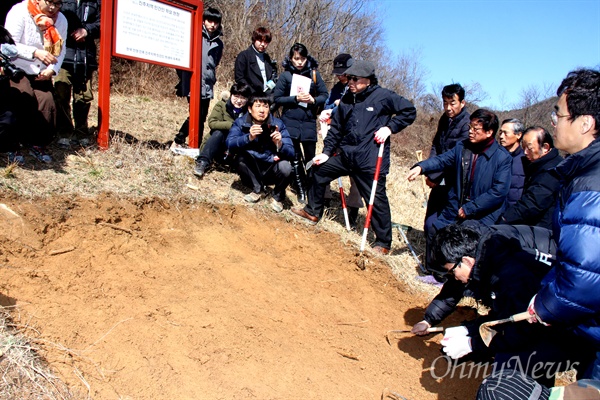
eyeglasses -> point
(554, 117)
(57, 4)
(353, 78)
(450, 272)
(475, 129)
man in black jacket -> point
(76, 72)
(366, 117)
(536, 205)
(254, 67)
(453, 127)
(501, 266)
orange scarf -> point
(52, 41)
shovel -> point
(487, 333)
(429, 330)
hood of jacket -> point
(311, 64)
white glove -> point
(456, 331)
(320, 159)
(534, 316)
(382, 134)
(457, 346)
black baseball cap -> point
(341, 63)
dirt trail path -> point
(157, 301)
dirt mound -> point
(151, 300)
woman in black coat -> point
(300, 111)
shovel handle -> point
(435, 329)
(521, 316)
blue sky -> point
(506, 46)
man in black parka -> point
(536, 205)
(366, 117)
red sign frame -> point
(107, 51)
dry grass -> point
(138, 166)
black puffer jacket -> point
(536, 205)
(80, 58)
(448, 134)
(300, 121)
(511, 262)
(357, 119)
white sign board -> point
(153, 31)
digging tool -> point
(343, 199)
(434, 329)
(389, 394)
(487, 333)
(419, 159)
(372, 198)
(401, 229)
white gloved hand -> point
(382, 134)
(320, 159)
(456, 331)
(457, 346)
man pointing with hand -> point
(367, 115)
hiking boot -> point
(277, 206)
(299, 211)
(253, 197)
(40, 154)
(15, 158)
(381, 250)
(200, 168)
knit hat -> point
(341, 63)
(511, 385)
(362, 69)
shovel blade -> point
(486, 333)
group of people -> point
(509, 221)
(514, 225)
(267, 127)
(52, 44)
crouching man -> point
(501, 266)
(264, 148)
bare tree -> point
(407, 76)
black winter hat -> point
(362, 69)
(511, 385)
(341, 63)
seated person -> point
(536, 205)
(38, 29)
(220, 120)
(501, 266)
(264, 150)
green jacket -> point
(221, 117)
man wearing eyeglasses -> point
(501, 266)
(366, 117)
(570, 295)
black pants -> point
(214, 148)
(35, 110)
(438, 199)
(381, 218)
(304, 150)
(8, 132)
(256, 174)
(185, 127)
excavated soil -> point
(152, 300)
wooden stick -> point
(117, 227)
(61, 251)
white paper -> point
(300, 84)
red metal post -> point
(106, 40)
(196, 81)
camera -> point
(10, 70)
